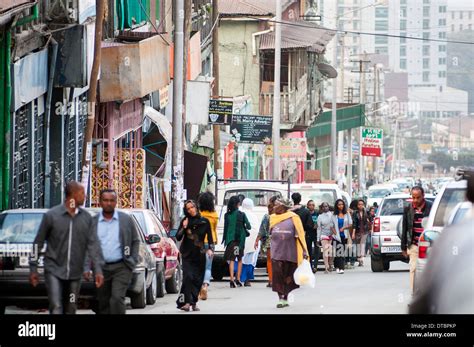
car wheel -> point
(376, 264)
(173, 285)
(151, 291)
(138, 300)
(386, 265)
(161, 283)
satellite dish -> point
(327, 70)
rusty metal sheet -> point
(133, 70)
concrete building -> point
(460, 15)
(454, 133)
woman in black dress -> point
(192, 232)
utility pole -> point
(362, 100)
(92, 96)
(177, 142)
(334, 113)
(215, 72)
(276, 96)
(394, 151)
(349, 162)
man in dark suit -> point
(120, 245)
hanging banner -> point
(251, 129)
(372, 141)
(294, 149)
(220, 111)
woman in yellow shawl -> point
(288, 249)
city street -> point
(357, 291)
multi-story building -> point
(460, 15)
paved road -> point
(357, 291)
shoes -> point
(269, 285)
(203, 293)
(315, 269)
(341, 272)
(232, 284)
(361, 264)
(186, 308)
(195, 308)
(238, 283)
(338, 271)
(247, 283)
(282, 304)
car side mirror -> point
(153, 238)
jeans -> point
(313, 253)
(62, 294)
(340, 259)
(208, 271)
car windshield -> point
(260, 197)
(449, 200)
(318, 196)
(19, 227)
(392, 207)
(379, 193)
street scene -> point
(236, 157)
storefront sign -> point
(251, 129)
(220, 111)
(372, 141)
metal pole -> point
(394, 151)
(215, 73)
(276, 96)
(333, 171)
(349, 162)
(177, 144)
(92, 96)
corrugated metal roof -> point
(249, 7)
(299, 34)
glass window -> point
(403, 24)
(157, 227)
(403, 2)
(460, 214)
(426, 50)
(442, 74)
(426, 24)
(393, 207)
(442, 48)
(442, 61)
(319, 196)
(426, 2)
(426, 63)
(449, 200)
(442, 35)
(381, 12)
(426, 35)
(442, 22)
(403, 64)
(381, 25)
(381, 40)
(403, 12)
(140, 219)
(19, 227)
(442, 9)
(259, 197)
(379, 193)
(381, 50)
(426, 11)
(403, 39)
(403, 51)
(426, 76)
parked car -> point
(260, 193)
(18, 229)
(449, 198)
(386, 238)
(165, 250)
(378, 192)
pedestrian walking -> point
(326, 232)
(236, 225)
(249, 260)
(208, 211)
(288, 249)
(264, 237)
(313, 237)
(192, 233)
(120, 245)
(343, 224)
(307, 221)
(371, 229)
(412, 227)
(67, 230)
(360, 230)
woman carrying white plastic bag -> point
(304, 276)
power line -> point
(359, 32)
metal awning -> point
(299, 34)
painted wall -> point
(239, 70)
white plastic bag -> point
(304, 276)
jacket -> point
(306, 220)
(236, 225)
(68, 240)
(193, 236)
(213, 219)
(347, 222)
(407, 223)
(129, 239)
(356, 222)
